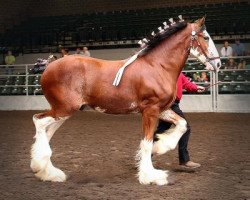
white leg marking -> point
(147, 173)
(51, 173)
(41, 151)
(168, 140)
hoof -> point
(157, 177)
(54, 175)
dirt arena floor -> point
(97, 153)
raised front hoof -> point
(54, 175)
(157, 177)
(159, 148)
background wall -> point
(69, 7)
(13, 11)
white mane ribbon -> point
(121, 70)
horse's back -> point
(75, 66)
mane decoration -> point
(168, 29)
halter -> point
(202, 57)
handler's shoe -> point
(191, 165)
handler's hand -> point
(200, 89)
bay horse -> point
(148, 86)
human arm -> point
(189, 86)
(200, 89)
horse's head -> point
(202, 46)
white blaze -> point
(216, 63)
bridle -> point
(202, 57)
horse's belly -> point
(116, 107)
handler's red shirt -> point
(184, 83)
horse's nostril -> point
(218, 65)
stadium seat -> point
(20, 80)
(37, 91)
(247, 87)
(6, 91)
(228, 78)
(247, 75)
(30, 91)
(221, 75)
(240, 78)
(225, 89)
(239, 89)
(36, 80)
(10, 80)
(17, 91)
(31, 80)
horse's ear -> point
(200, 22)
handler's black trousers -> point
(183, 142)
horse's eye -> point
(206, 38)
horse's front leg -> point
(169, 139)
(146, 172)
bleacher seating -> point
(221, 19)
(16, 85)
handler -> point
(182, 83)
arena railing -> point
(19, 80)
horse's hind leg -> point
(46, 125)
(169, 139)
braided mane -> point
(154, 39)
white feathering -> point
(153, 33)
(140, 42)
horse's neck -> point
(172, 53)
